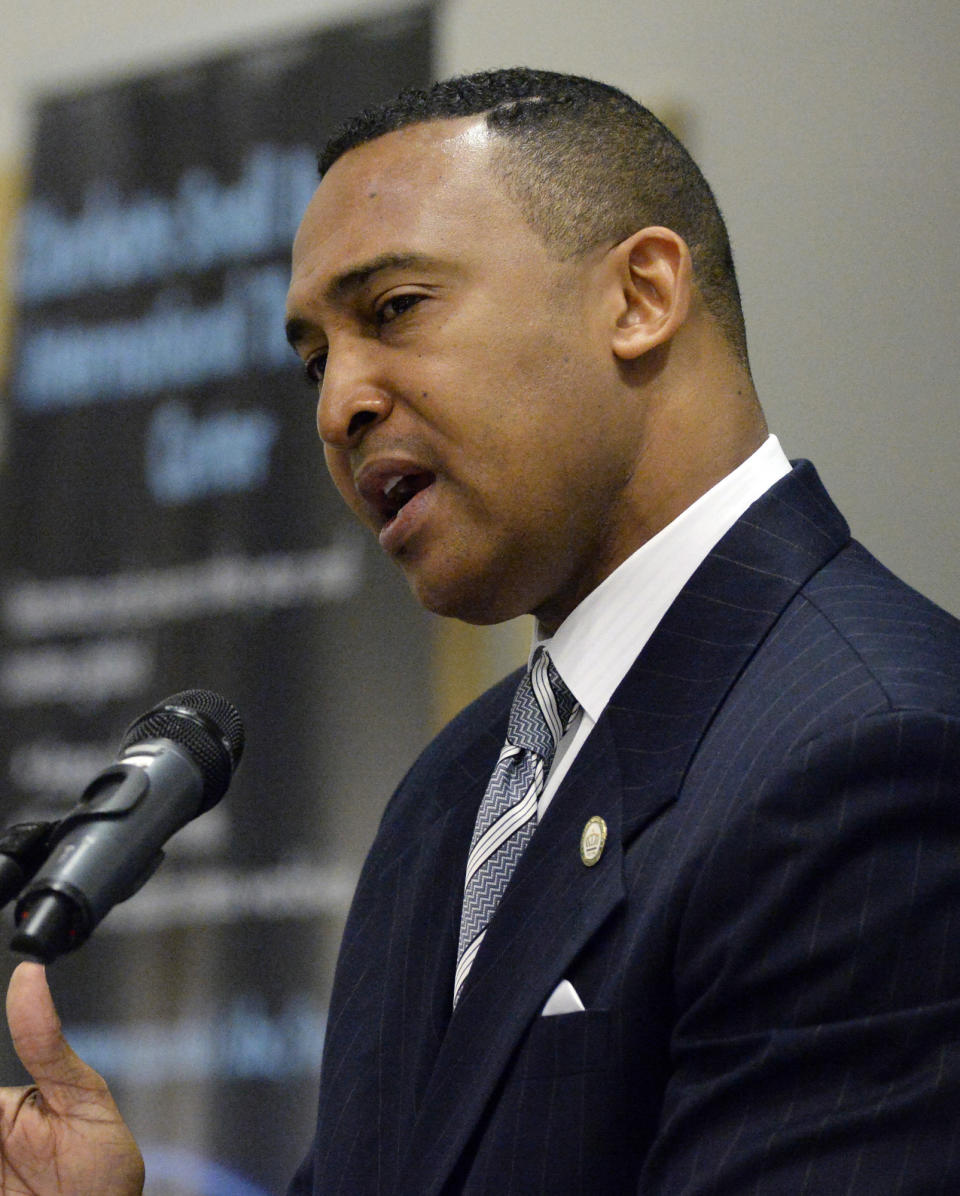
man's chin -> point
(473, 601)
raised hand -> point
(63, 1135)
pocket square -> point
(563, 999)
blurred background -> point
(166, 519)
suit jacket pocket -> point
(564, 1121)
(566, 1044)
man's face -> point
(469, 402)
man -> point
(691, 927)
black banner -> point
(168, 524)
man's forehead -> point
(433, 152)
(420, 193)
(466, 135)
(401, 176)
(448, 136)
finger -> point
(63, 1078)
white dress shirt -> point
(594, 647)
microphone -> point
(175, 762)
(23, 848)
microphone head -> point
(206, 725)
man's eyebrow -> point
(297, 330)
(358, 276)
(353, 279)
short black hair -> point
(585, 162)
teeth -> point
(392, 484)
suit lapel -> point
(629, 769)
(440, 851)
(395, 972)
(668, 699)
(551, 908)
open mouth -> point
(398, 490)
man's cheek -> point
(342, 476)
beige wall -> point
(830, 135)
(11, 187)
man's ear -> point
(655, 278)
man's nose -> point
(350, 403)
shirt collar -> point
(600, 639)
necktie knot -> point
(542, 708)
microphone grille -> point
(203, 722)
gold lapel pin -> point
(593, 840)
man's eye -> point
(395, 306)
(314, 367)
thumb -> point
(65, 1081)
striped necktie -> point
(541, 712)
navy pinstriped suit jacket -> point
(768, 949)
